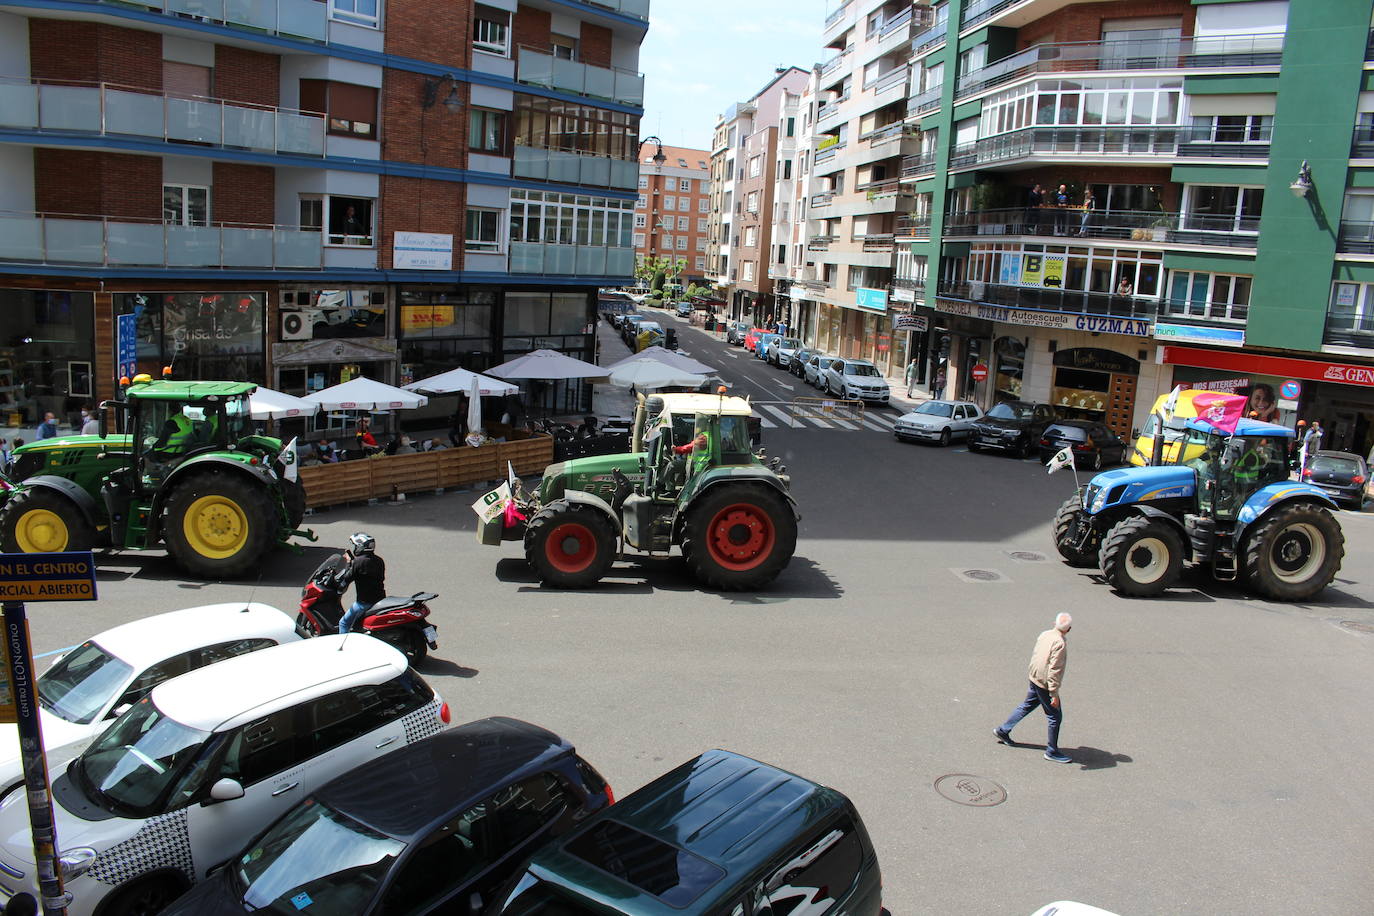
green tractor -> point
(693, 481)
(189, 472)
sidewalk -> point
(610, 400)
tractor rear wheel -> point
(569, 545)
(1084, 556)
(1294, 552)
(739, 536)
(1141, 557)
(40, 520)
(218, 526)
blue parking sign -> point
(126, 346)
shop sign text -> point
(1130, 327)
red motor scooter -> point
(400, 621)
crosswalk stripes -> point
(782, 415)
(872, 423)
(767, 423)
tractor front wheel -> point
(218, 526)
(1294, 552)
(1081, 556)
(569, 545)
(1141, 557)
(40, 520)
(739, 536)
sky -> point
(702, 56)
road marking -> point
(842, 424)
(787, 386)
(871, 424)
(781, 414)
(732, 354)
(767, 423)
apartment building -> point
(296, 192)
(673, 213)
(744, 169)
(1111, 198)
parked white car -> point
(814, 371)
(938, 421)
(857, 379)
(183, 780)
(86, 688)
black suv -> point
(435, 827)
(1090, 442)
(1012, 426)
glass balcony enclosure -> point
(538, 68)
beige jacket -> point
(1048, 660)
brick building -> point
(296, 192)
(674, 206)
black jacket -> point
(367, 572)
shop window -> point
(215, 335)
(185, 205)
(45, 357)
(460, 314)
(491, 30)
(350, 220)
(328, 313)
(358, 12)
(487, 131)
(483, 230)
(351, 111)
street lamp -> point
(659, 156)
(431, 92)
(1303, 185)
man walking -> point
(1311, 442)
(1046, 675)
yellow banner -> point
(426, 317)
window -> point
(1231, 128)
(701, 225)
(186, 80)
(643, 183)
(487, 131)
(751, 236)
(483, 230)
(681, 243)
(350, 221)
(703, 206)
(639, 240)
(752, 202)
(701, 263)
(640, 220)
(1222, 208)
(185, 205)
(755, 166)
(786, 169)
(684, 184)
(682, 224)
(668, 241)
(358, 12)
(1351, 308)
(669, 202)
(642, 202)
(791, 127)
(165, 670)
(1092, 102)
(263, 748)
(1222, 297)
(491, 30)
(312, 212)
(701, 243)
(826, 868)
(782, 254)
(748, 270)
(572, 127)
(564, 47)
(351, 110)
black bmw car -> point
(1012, 426)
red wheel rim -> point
(740, 537)
(570, 547)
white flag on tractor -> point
(1170, 404)
(1062, 459)
(288, 459)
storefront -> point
(47, 358)
(1008, 368)
(1095, 384)
(200, 335)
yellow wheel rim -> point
(41, 531)
(215, 527)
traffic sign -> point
(1290, 390)
(979, 372)
(126, 357)
(47, 576)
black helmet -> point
(362, 542)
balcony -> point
(1347, 327)
(822, 199)
(307, 19)
(913, 227)
(1224, 143)
(888, 80)
(883, 187)
(930, 39)
(916, 166)
(1355, 238)
(836, 17)
(882, 241)
(827, 153)
(915, 284)
(820, 242)
(94, 241)
(835, 61)
(574, 168)
(639, 9)
(924, 102)
(982, 11)
(571, 260)
(830, 109)
(537, 68)
(106, 109)
(886, 134)
(1251, 51)
(1074, 302)
(1055, 142)
(1183, 311)
(1190, 229)
(1362, 146)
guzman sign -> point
(1059, 321)
(47, 576)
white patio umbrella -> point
(474, 406)
(549, 365)
(367, 394)
(266, 404)
(667, 357)
(651, 373)
(459, 381)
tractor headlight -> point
(1099, 501)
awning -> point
(1281, 366)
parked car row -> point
(1017, 428)
(853, 379)
(211, 761)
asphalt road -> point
(1221, 742)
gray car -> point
(937, 421)
(814, 372)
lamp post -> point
(1302, 186)
(659, 158)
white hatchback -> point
(183, 780)
(87, 687)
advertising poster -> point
(1032, 269)
(1011, 270)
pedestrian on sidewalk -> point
(911, 371)
(1311, 442)
(1046, 675)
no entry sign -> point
(979, 372)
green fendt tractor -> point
(731, 515)
(189, 472)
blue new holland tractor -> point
(1226, 502)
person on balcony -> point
(1034, 201)
(1089, 205)
(1061, 210)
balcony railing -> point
(582, 260)
(1053, 300)
(924, 164)
(896, 77)
(831, 108)
(913, 227)
(1184, 311)
(982, 11)
(107, 109)
(838, 14)
(1088, 142)
(1133, 54)
(882, 241)
(574, 168)
(887, 133)
(835, 61)
(44, 238)
(820, 242)
(1349, 329)
(306, 19)
(827, 153)
(883, 187)
(1355, 237)
(822, 199)
(1192, 229)
(924, 102)
(1362, 146)
(639, 9)
(913, 283)
(930, 38)
(539, 68)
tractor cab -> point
(683, 440)
(1231, 469)
(166, 430)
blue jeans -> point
(1038, 696)
(353, 615)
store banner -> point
(426, 317)
(421, 251)
(906, 321)
(1280, 366)
(1059, 321)
(1222, 337)
(874, 300)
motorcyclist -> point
(367, 572)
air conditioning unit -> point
(296, 326)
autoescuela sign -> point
(1058, 321)
(47, 576)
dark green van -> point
(721, 835)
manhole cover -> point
(966, 789)
(1026, 556)
(979, 575)
(1358, 626)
